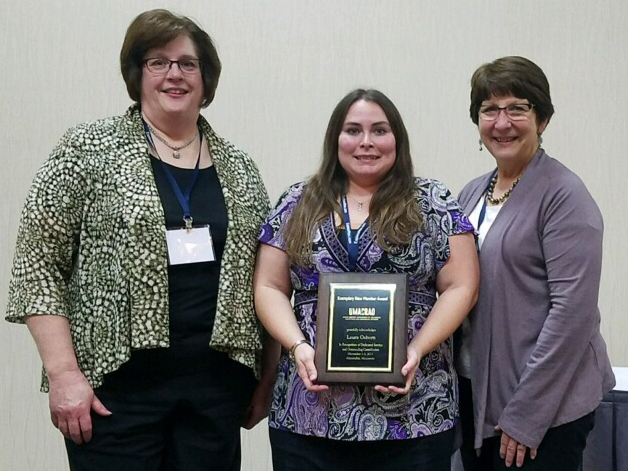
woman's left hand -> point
(260, 403)
(408, 371)
(509, 449)
(262, 396)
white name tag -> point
(190, 246)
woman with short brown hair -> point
(133, 270)
(532, 362)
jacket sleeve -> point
(48, 235)
(571, 239)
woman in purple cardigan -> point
(532, 361)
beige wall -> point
(286, 64)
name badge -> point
(190, 245)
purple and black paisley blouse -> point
(359, 412)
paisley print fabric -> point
(361, 413)
(91, 246)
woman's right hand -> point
(304, 361)
(272, 291)
(71, 397)
(71, 400)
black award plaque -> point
(361, 328)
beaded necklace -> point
(502, 198)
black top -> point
(193, 287)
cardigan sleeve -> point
(571, 240)
(48, 235)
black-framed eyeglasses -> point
(514, 111)
(158, 65)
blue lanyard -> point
(483, 210)
(184, 198)
(352, 242)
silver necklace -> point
(175, 149)
(359, 204)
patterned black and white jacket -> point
(91, 246)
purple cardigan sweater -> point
(538, 358)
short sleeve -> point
(443, 216)
(271, 232)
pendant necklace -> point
(175, 149)
(359, 204)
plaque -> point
(361, 328)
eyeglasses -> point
(159, 66)
(515, 112)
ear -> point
(542, 126)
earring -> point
(480, 142)
(540, 139)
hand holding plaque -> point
(302, 354)
(361, 328)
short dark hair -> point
(511, 75)
(156, 28)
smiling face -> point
(366, 144)
(172, 94)
(510, 142)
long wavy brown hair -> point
(394, 214)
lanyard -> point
(183, 197)
(352, 242)
(483, 210)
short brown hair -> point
(512, 75)
(156, 28)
